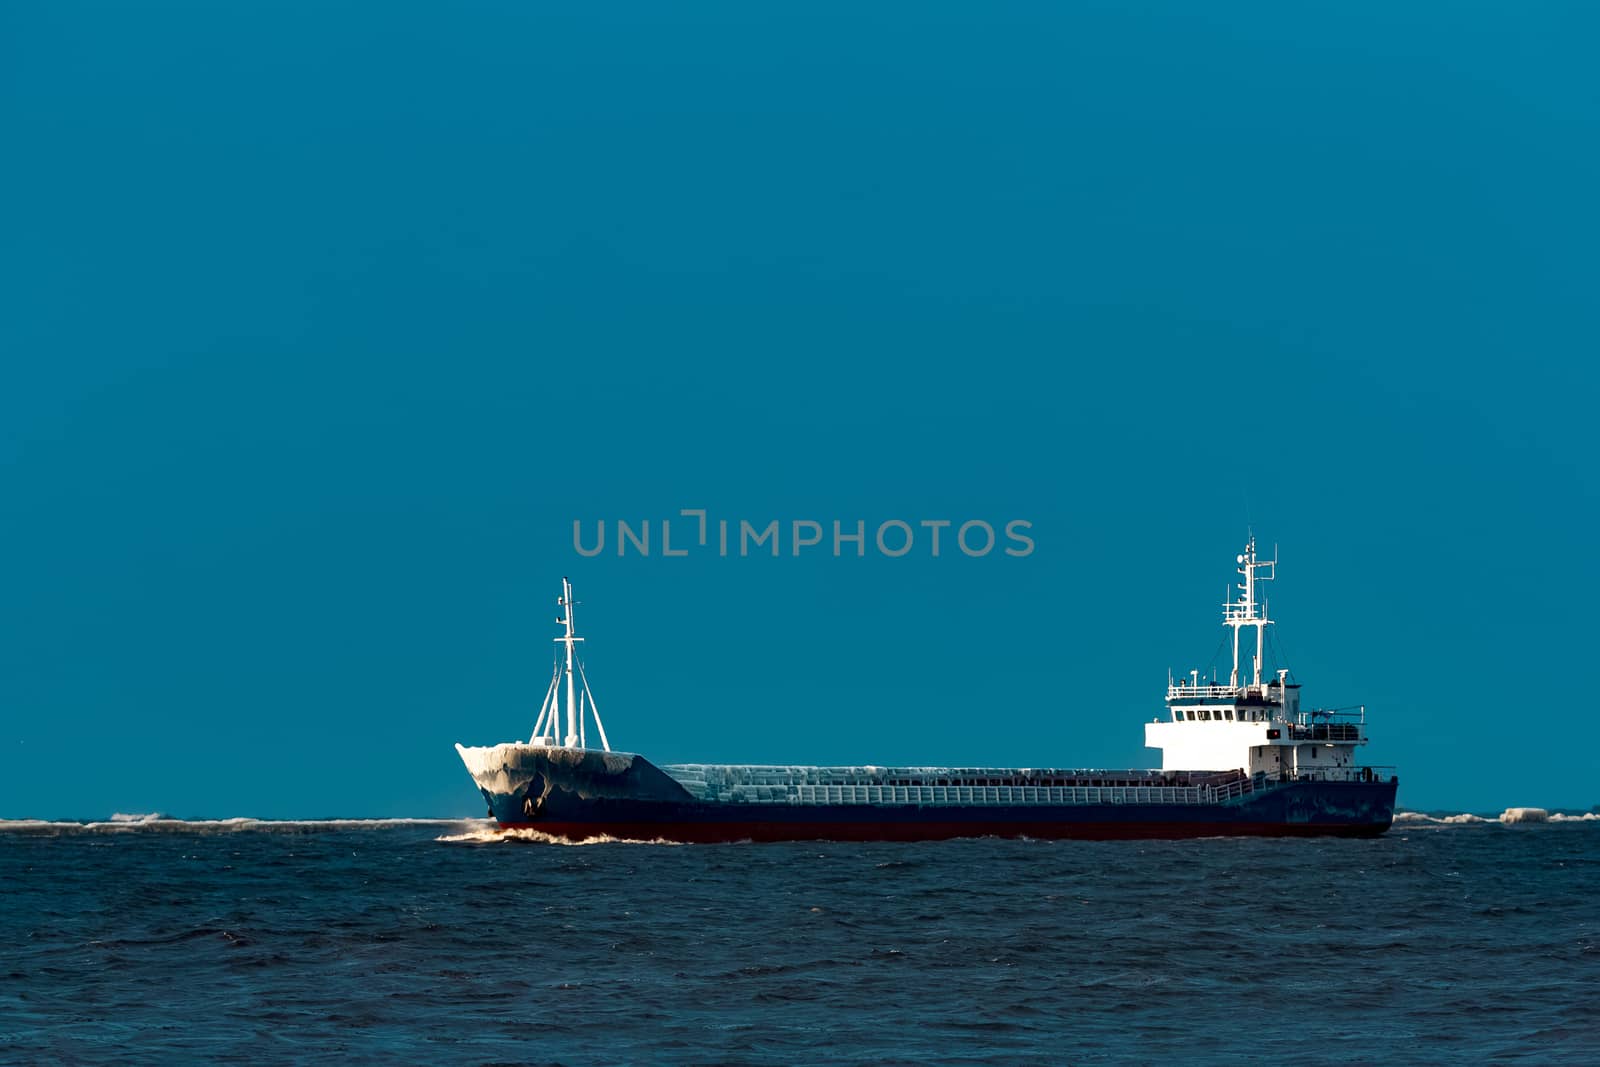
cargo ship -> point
(1241, 758)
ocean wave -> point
(1508, 817)
(121, 823)
(487, 833)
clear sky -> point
(323, 323)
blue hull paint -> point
(589, 798)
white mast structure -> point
(547, 731)
(1246, 611)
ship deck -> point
(758, 784)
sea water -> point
(240, 941)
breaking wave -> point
(121, 823)
(487, 833)
(1506, 818)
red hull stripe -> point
(932, 831)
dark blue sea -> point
(421, 942)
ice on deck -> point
(757, 783)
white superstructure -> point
(1254, 724)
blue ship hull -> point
(577, 795)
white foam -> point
(155, 823)
(1506, 818)
(1418, 818)
(487, 833)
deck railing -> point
(1179, 691)
(1326, 731)
(1218, 790)
(1356, 714)
(998, 796)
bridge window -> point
(1205, 716)
(1177, 716)
(1229, 713)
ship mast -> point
(569, 640)
(547, 731)
(1248, 611)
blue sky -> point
(323, 324)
